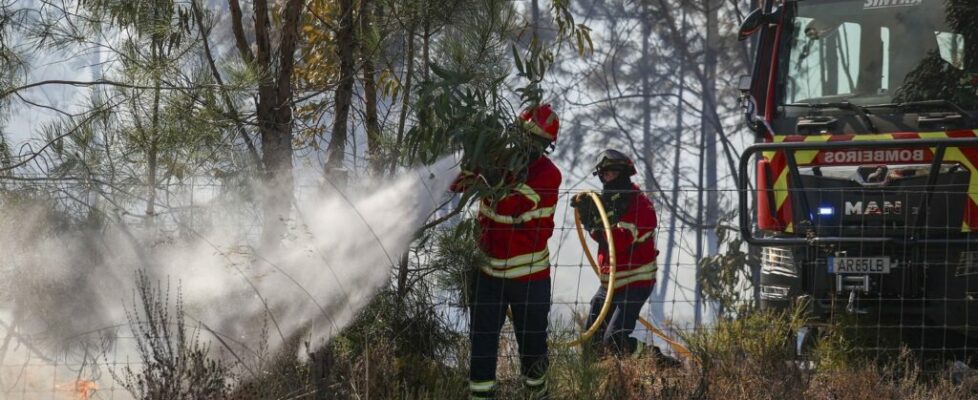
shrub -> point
(175, 366)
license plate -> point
(859, 265)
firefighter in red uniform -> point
(515, 230)
(631, 216)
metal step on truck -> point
(862, 188)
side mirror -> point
(755, 20)
(743, 85)
(751, 24)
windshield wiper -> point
(928, 103)
(842, 105)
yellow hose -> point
(611, 274)
(676, 346)
(681, 350)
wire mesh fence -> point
(891, 261)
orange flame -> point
(83, 388)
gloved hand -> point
(464, 180)
(590, 217)
(579, 199)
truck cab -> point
(862, 188)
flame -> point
(83, 388)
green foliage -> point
(453, 258)
(279, 376)
(459, 114)
(12, 63)
(755, 344)
(475, 41)
(566, 26)
(833, 349)
(5, 153)
(758, 335)
(412, 350)
(166, 21)
(723, 276)
(577, 375)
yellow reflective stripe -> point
(644, 237)
(802, 157)
(634, 231)
(487, 211)
(527, 191)
(534, 128)
(649, 268)
(538, 392)
(535, 382)
(619, 283)
(482, 386)
(502, 263)
(519, 271)
(629, 227)
(780, 190)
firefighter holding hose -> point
(632, 219)
(514, 234)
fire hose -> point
(611, 274)
(676, 346)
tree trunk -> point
(370, 91)
(402, 275)
(646, 71)
(709, 128)
(274, 113)
(535, 19)
(698, 287)
(660, 293)
(343, 96)
(402, 271)
(152, 157)
(710, 124)
(426, 46)
(406, 99)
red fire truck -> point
(862, 188)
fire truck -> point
(861, 189)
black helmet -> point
(614, 160)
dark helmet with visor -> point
(614, 160)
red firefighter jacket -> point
(515, 228)
(634, 236)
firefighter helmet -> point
(540, 121)
(614, 160)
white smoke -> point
(58, 288)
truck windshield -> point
(882, 51)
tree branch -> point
(100, 82)
(237, 27)
(37, 153)
(290, 38)
(262, 29)
(231, 110)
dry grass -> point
(750, 357)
